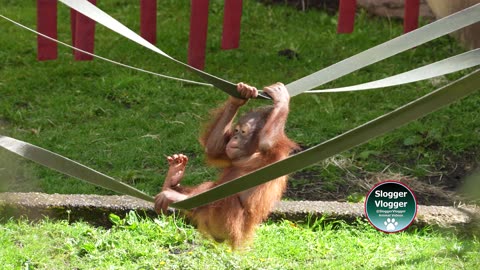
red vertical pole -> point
(410, 18)
(198, 33)
(148, 20)
(83, 34)
(73, 25)
(232, 17)
(47, 25)
(346, 16)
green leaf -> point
(116, 220)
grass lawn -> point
(166, 243)
(123, 123)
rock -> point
(392, 8)
(468, 36)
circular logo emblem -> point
(390, 206)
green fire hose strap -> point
(392, 47)
(91, 11)
(443, 67)
(69, 167)
(409, 40)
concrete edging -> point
(96, 208)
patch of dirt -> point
(444, 188)
(330, 6)
(383, 8)
(3, 122)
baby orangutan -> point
(257, 140)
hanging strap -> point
(104, 58)
(392, 47)
(359, 135)
(96, 14)
(414, 38)
(403, 115)
(443, 67)
(69, 167)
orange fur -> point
(256, 141)
(234, 219)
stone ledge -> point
(96, 208)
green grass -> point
(166, 243)
(124, 123)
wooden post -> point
(346, 16)
(148, 20)
(410, 18)
(232, 17)
(47, 25)
(198, 33)
(83, 34)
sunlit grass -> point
(168, 243)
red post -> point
(410, 18)
(232, 17)
(148, 20)
(47, 25)
(73, 24)
(83, 34)
(346, 16)
(198, 33)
